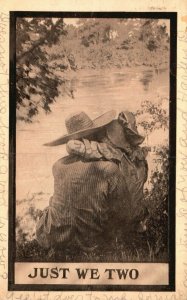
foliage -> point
(28, 213)
(95, 31)
(107, 43)
(157, 200)
(154, 116)
(36, 82)
(153, 34)
(152, 44)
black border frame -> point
(172, 16)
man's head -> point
(79, 125)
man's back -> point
(88, 197)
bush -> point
(157, 199)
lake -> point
(95, 92)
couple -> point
(98, 187)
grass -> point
(140, 247)
(118, 252)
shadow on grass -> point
(138, 249)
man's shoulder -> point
(65, 162)
(68, 162)
(111, 169)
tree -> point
(95, 31)
(36, 82)
(153, 34)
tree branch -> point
(39, 42)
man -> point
(98, 188)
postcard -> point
(93, 178)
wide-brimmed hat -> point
(80, 125)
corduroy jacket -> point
(90, 200)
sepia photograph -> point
(93, 142)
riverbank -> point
(110, 56)
(103, 44)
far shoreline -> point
(73, 73)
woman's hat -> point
(123, 131)
(80, 125)
(128, 122)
